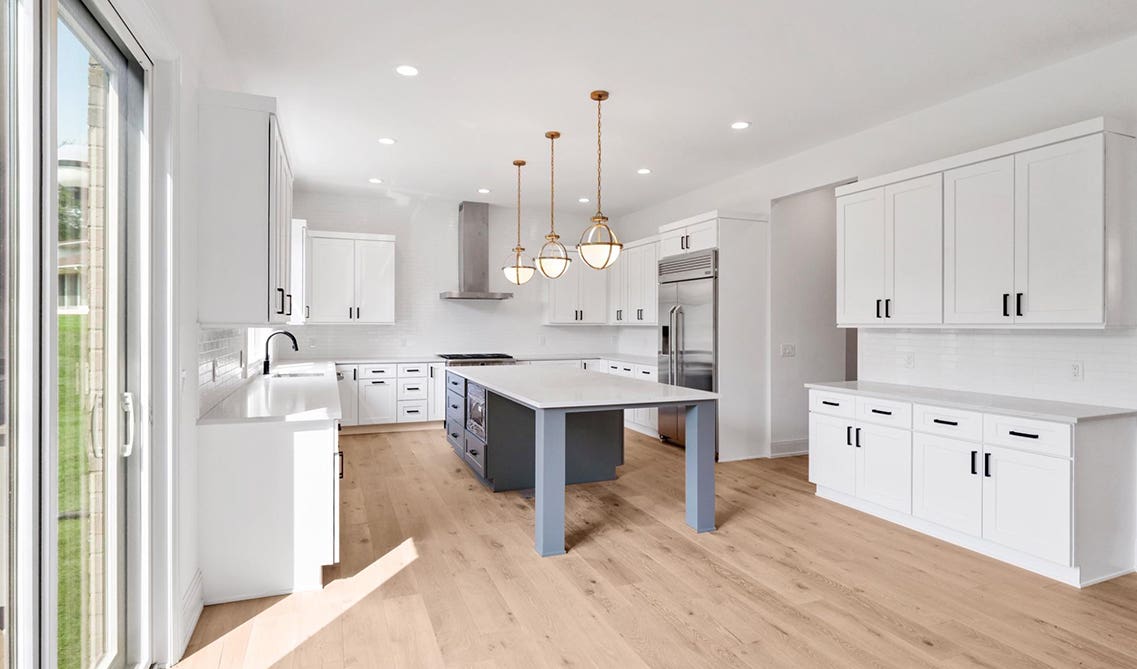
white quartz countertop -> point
(649, 360)
(282, 398)
(1064, 412)
(563, 388)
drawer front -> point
(412, 389)
(413, 369)
(476, 453)
(412, 411)
(832, 404)
(884, 412)
(455, 434)
(455, 407)
(645, 373)
(611, 367)
(954, 423)
(1025, 434)
(381, 371)
(455, 383)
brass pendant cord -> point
(517, 250)
(599, 213)
(552, 183)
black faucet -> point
(268, 343)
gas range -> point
(476, 359)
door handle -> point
(128, 409)
(671, 346)
(339, 454)
(849, 435)
(307, 311)
(857, 438)
(888, 307)
(974, 464)
(679, 318)
(357, 313)
(878, 308)
(1006, 304)
(281, 309)
(1018, 304)
(987, 465)
(289, 296)
(940, 421)
(350, 312)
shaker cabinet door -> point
(1027, 502)
(374, 281)
(860, 258)
(832, 461)
(914, 245)
(947, 482)
(331, 280)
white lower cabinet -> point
(1011, 488)
(378, 401)
(347, 378)
(437, 393)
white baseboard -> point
(192, 604)
(789, 447)
(644, 430)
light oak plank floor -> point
(437, 571)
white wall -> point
(1102, 82)
(426, 257)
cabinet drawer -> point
(381, 371)
(455, 433)
(884, 412)
(412, 411)
(455, 407)
(476, 453)
(455, 383)
(954, 423)
(412, 389)
(646, 373)
(1026, 434)
(833, 404)
(414, 369)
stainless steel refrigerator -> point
(688, 331)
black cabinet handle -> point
(454, 406)
(307, 311)
(289, 296)
(1018, 304)
(974, 463)
(987, 465)
(1024, 435)
(350, 312)
(830, 404)
(858, 438)
(878, 308)
(355, 375)
(888, 307)
(454, 434)
(412, 410)
(882, 412)
(378, 383)
(281, 309)
(413, 388)
(849, 435)
(357, 313)
(941, 421)
(1006, 304)
(339, 454)
(473, 453)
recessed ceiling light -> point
(643, 170)
(740, 125)
(483, 191)
(375, 180)
(407, 70)
(387, 140)
(582, 200)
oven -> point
(476, 410)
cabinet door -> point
(562, 295)
(1060, 232)
(703, 236)
(276, 233)
(375, 281)
(914, 246)
(632, 276)
(618, 289)
(437, 393)
(947, 483)
(860, 258)
(377, 401)
(347, 379)
(284, 225)
(832, 457)
(979, 242)
(331, 280)
(299, 245)
(671, 243)
(884, 466)
(1026, 503)
(593, 295)
(649, 286)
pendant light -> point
(554, 259)
(599, 246)
(516, 269)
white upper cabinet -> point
(860, 258)
(244, 226)
(633, 288)
(1059, 233)
(579, 296)
(979, 242)
(350, 278)
(1035, 232)
(687, 236)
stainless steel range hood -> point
(473, 255)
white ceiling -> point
(496, 74)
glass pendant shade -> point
(517, 268)
(599, 246)
(554, 259)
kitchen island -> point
(555, 393)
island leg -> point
(549, 483)
(701, 466)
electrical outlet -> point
(1077, 371)
(909, 360)
(789, 350)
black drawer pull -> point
(974, 465)
(858, 438)
(378, 383)
(474, 453)
(455, 406)
(413, 388)
(1006, 305)
(878, 308)
(849, 435)
(412, 410)
(1024, 435)
(941, 421)
(830, 404)
(454, 435)
(882, 412)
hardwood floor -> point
(438, 572)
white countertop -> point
(649, 360)
(1064, 412)
(563, 388)
(271, 398)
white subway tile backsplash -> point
(1036, 363)
(225, 349)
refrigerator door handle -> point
(671, 348)
(678, 338)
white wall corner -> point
(193, 602)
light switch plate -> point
(909, 360)
(1077, 371)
